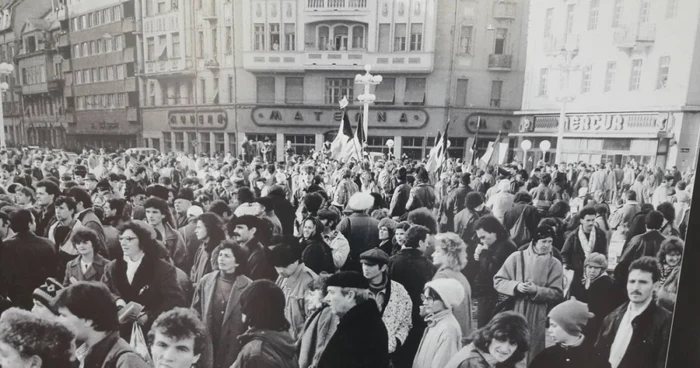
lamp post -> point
(565, 63)
(5, 69)
(525, 145)
(367, 98)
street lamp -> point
(366, 98)
(565, 62)
(525, 145)
(5, 69)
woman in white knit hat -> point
(443, 337)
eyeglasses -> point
(127, 239)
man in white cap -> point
(361, 231)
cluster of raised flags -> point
(438, 154)
(348, 144)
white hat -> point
(194, 211)
(503, 185)
(450, 290)
(360, 202)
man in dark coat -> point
(402, 192)
(423, 193)
(456, 201)
(636, 334)
(361, 231)
(46, 193)
(574, 251)
(246, 231)
(529, 212)
(26, 260)
(283, 209)
(647, 244)
(361, 339)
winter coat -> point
(266, 349)
(191, 242)
(317, 255)
(531, 217)
(581, 356)
(471, 357)
(399, 200)
(441, 340)
(257, 266)
(90, 220)
(45, 220)
(456, 201)
(318, 329)
(624, 215)
(546, 273)
(360, 340)
(340, 247)
(490, 261)
(396, 314)
(647, 244)
(362, 232)
(233, 324)
(295, 287)
(176, 246)
(573, 254)
(74, 272)
(649, 343)
(600, 299)
(113, 352)
(462, 312)
(666, 296)
(345, 189)
(202, 263)
(421, 195)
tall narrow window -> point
(275, 36)
(203, 90)
(259, 34)
(461, 95)
(586, 79)
(229, 40)
(177, 100)
(664, 67)
(230, 89)
(500, 43)
(496, 90)
(400, 37)
(593, 11)
(150, 48)
(290, 38)
(214, 43)
(465, 39)
(358, 37)
(570, 14)
(416, 37)
(644, 11)
(635, 74)
(544, 80)
(548, 19)
(617, 13)
(671, 8)
(200, 46)
(176, 45)
(384, 38)
(265, 89)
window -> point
(163, 47)
(385, 92)
(230, 89)
(89, 20)
(203, 90)
(219, 143)
(259, 34)
(167, 142)
(275, 36)
(76, 24)
(542, 90)
(671, 8)
(609, 76)
(416, 37)
(340, 38)
(415, 92)
(87, 76)
(232, 143)
(289, 37)
(93, 48)
(149, 8)
(644, 12)
(103, 73)
(302, 144)
(664, 65)
(548, 19)
(117, 13)
(24, 76)
(337, 88)
(96, 75)
(177, 89)
(100, 46)
(118, 42)
(400, 37)
(635, 74)
(617, 13)
(109, 43)
(377, 144)
(76, 51)
(294, 90)
(265, 89)
(86, 49)
(174, 4)
(200, 47)
(323, 38)
(190, 93)
(205, 140)
(110, 73)
(412, 147)
(358, 37)
(214, 42)
(192, 140)
(384, 38)
(500, 42)
(461, 94)
(176, 45)
(161, 6)
(586, 79)
(150, 48)
(83, 21)
(120, 71)
(593, 15)
(228, 48)
(152, 93)
(570, 13)
(108, 15)
(496, 89)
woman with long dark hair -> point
(217, 298)
(670, 256)
(316, 254)
(210, 232)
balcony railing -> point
(336, 4)
(560, 44)
(505, 10)
(168, 67)
(500, 62)
(633, 36)
(416, 62)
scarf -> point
(586, 244)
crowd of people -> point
(173, 260)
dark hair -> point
(423, 216)
(667, 209)
(50, 187)
(68, 201)
(117, 204)
(245, 195)
(284, 254)
(546, 179)
(80, 195)
(559, 209)
(29, 192)
(670, 245)
(506, 326)
(219, 207)
(146, 242)
(263, 304)
(179, 324)
(601, 209)
(491, 224)
(522, 197)
(631, 195)
(647, 264)
(160, 205)
(654, 220)
(91, 301)
(239, 254)
(84, 234)
(586, 211)
(213, 224)
(20, 220)
(415, 234)
(28, 334)
(681, 185)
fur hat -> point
(388, 223)
(571, 315)
(596, 260)
(450, 290)
(348, 279)
(157, 190)
(186, 194)
(360, 202)
(544, 231)
(47, 292)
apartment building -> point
(621, 71)
(221, 72)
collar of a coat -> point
(98, 352)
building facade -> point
(265, 70)
(101, 89)
(621, 71)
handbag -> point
(507, 302)
(138, 343)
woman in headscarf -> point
(534, 277)
(316, 254)
(670, 256)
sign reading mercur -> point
(595, 122)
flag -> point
(476, 138)
(344, 136)
(361, 131)
(432, 164)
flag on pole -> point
(488, 156)
(438, 154)
(345, 134)
(361, 131)
(476, 138)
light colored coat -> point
(295, 287)
(462, 312)
(442, 339)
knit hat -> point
(348, 279)
(47, 292)
(596, 260)
(450, 290)
(388, 223)
(544, 231)
(571, 315)
(474, 200)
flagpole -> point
(476, 137)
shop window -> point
(294, 90)
(167, 142)
(265, 89)
(232, 143)
(179, 142)
(377, 144)
(219, 143)
(385, 92)
(205, 139)
(412, 147)
(192, 142)
(302, 144)
(616, 144)
(415, 92)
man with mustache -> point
(247, 231)
(635, 335)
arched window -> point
(340, 37)
(358, 37)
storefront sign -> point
(104, 126)
(597, 123)
(214, 120)
(584, 123)
(485, 123)
(270, 116)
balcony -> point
(212, 64)
(555, 45)
(172, 68)
(56, 84)
(634, 37)
(505, 10)
(500, 62)
(291, 61)
(337, 7)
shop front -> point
(617, 138)
(97, 129)
(481, 129)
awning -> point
(385, 91)
(415, 92)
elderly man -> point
(361, 231)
